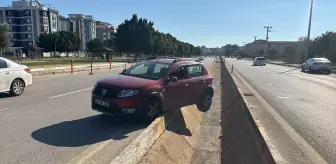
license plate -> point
(102, 103)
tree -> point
(272, 54)
(61, 41)
(4, 37)
(325, 46)
(138, 36)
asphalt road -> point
(306, 101)
(52, 122)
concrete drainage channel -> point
(173, 138)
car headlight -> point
(127, 93)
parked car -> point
(238, 57)
(14, 77)
(317, 64)
(153, 86)
(261, 61)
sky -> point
(212, 23)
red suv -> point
(153, 86)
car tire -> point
(150, 111)
(17, 87)
(310, 70)
(205, 102)
(302, 70)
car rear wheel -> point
(17, 87)
(205, 102)
(151, 110)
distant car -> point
(259, 61)
(155, 85)
(317, 64)
(238, 58)
(14, 77)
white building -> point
(254, 48)
(84, 26)
(27, 20)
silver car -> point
(317, 64)
(259, 61)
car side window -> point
(195, 71)
(3, 64)
(179, 73)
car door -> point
(196, 81)
(176, 92)
(5, 76)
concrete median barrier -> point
(241, 140)
(173, 138)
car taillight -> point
(27, 70)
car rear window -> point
(260, 58)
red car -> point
(153, 86)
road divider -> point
(71, 69)
(242, 141)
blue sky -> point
(212, 22)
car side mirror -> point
(171, 79)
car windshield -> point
(321, 60)
(148, 70)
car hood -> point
(124, 81)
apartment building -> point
(84, 26)
(27, 20)
(254, 48)
(104, 30)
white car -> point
(317, 64)
(14, 77)
(259, 61)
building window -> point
(29, 36)
(30, 43)
(28, 21)
(10, 13)
(12, 44)
(28, 28)
(9, 20)
(27, 12)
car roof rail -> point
(182, 59)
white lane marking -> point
(269, 84)
(4, 109)
(283, 97)
(70, 93)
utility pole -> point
(309, 25)
(255, 38)
(268, 29)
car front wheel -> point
(205, 102)
(151, 110)
(17, 87)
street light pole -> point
(309, 25)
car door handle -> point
(186, 85)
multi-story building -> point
(104, 30)
(84, 26)
(254, 48)
(27, 20)
(63, 23)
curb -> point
(141, 145)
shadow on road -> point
(5, 95)
(86, 131)
(176, 123)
